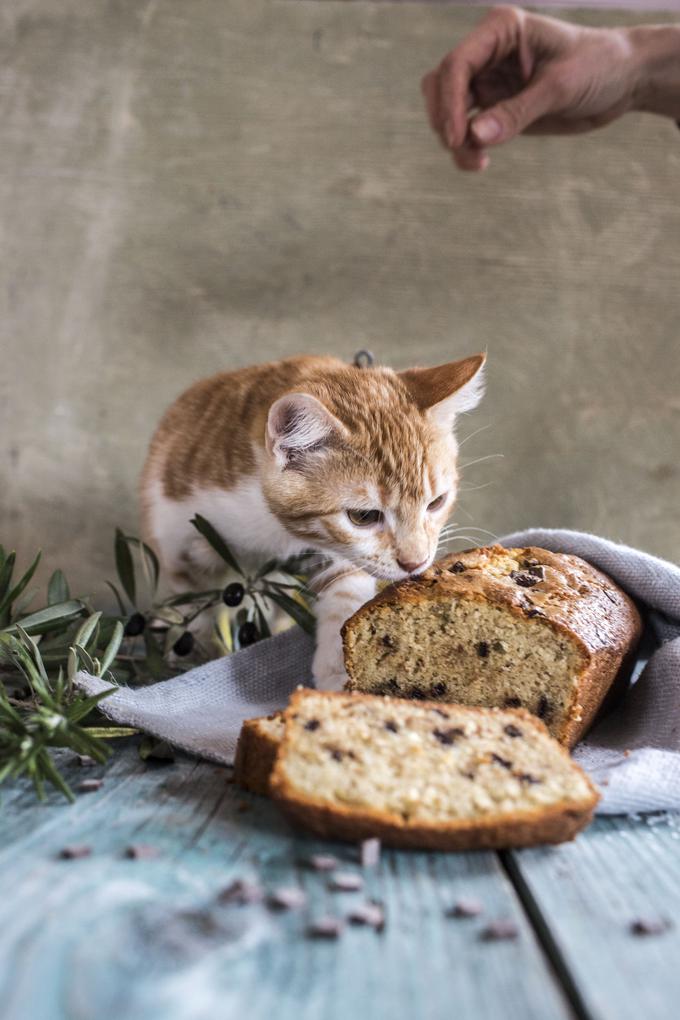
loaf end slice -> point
(427, 775)
(256, 750)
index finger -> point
(493, 40)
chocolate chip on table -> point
(457, 568)
(503, 762)
(323, 862)
(466, 906)
(346, 881)
(448, 736)
(75, 851)
(241, 892)
(523, 579)
(482, 649)
(512, 731)
(287, 898)
(370, 914)
(312, 724)
(649, 926)
(89, 785)
(391, 726)
(499, 929)
(325, 928)
(369, 852)
(142, 852)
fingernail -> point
(487, 129)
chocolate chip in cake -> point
(369, 852)
(325, 928)
(448, 736)
(466, 906)
(526, 777)
(543, 709)
(346, 881)
(534, 611)
(418, 694)
(498, 646)
(503, 762)
(388, 641)
(393, 685)
(335, 753)
(512, 731)
(499, 929)
(75, 851)
(391, 726)
(457, 568)
(441, 712)
(513, 702)
(482, 649)
(536, 570)
(523, 579)
(323, 862)
(287, 898)
(312, 724)
(438, 690)
(649, 926)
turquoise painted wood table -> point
(112, 937)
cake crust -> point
(555, 823)
(567, 595)
(256, 750)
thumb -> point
(502, 122)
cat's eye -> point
(437, 503)
(364, 518)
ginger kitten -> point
(309, 453)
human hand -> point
(519, 72)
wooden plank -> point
(589, 892)
(110, 937)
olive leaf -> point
(216, 541)
(57, 589)
(125, 566)
(302, 616)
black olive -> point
(135, 625)
(184, 644)
(233, 594)
(248, 634)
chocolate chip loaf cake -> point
(498, 627)
(422, 774)
(258, 743)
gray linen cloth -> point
(633, 754)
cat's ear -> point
(447, 390)
(299, 424)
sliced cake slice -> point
(422, 774)
(523, 628)
(258, 743)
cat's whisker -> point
(478, 460)
(472, 488)
(475, 433)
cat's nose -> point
(411, 568)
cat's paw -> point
(328, 669)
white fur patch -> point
(239, 514)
